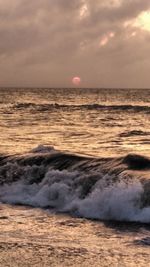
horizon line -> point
(94, 88)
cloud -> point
(46, 43)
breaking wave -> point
(46, 107)
(96, 188)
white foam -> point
(115, 202)
(119, 202)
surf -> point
(96, 188)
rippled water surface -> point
(37, 238)
(102, 122)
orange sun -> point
(76, 80)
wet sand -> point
(34, 237)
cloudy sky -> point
(48, 42)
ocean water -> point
(106, 122)
(75, 156)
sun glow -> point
(143, 21)
(76, 80)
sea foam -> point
(63, 192)
(96, 188)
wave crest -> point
(47, 107)
(99, 188)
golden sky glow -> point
(143, 21)
(45, 43)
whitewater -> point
(75, 176)
(109, 189)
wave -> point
(134, 133)
(96, 188)
(55, 106)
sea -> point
(74, 177)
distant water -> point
(104, 122)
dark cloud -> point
(45, 43)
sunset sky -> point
(49, 42)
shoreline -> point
(35, 237)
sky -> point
(47, 43)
